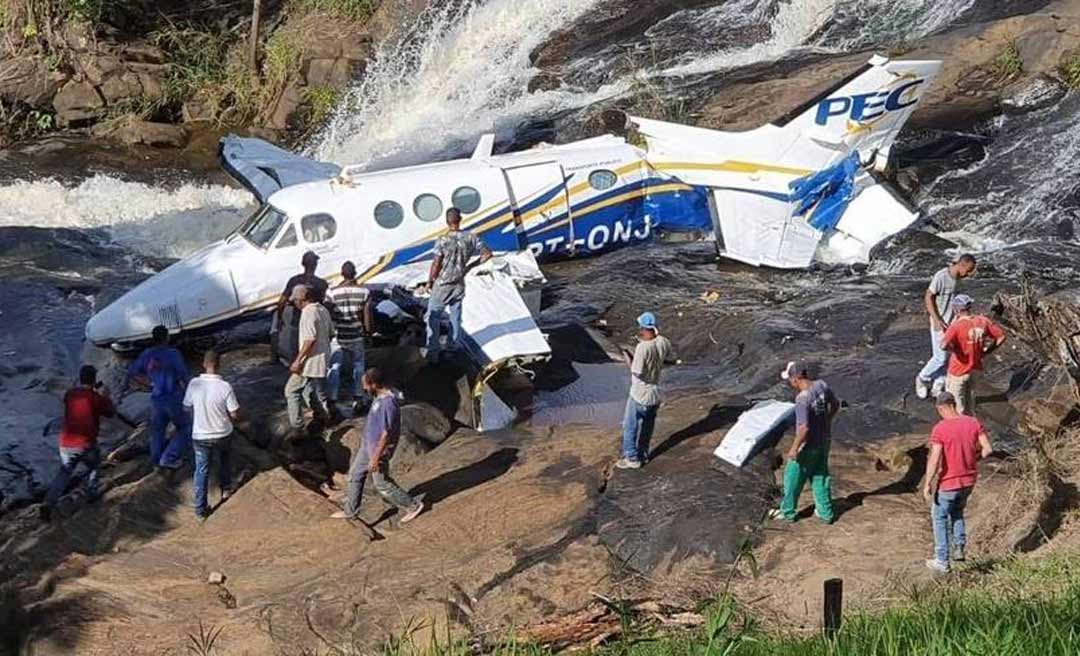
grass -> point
(1069, 69)
(1008, 64)
(351, 9)
(1016, 607)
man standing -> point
(212, 402)
(968, 339)
(163, 368)
(308, 371)
(84, 406)
(381, 433)
(957, 443)
(446, 280)
(652, 351)
(310, 261)
(350, 308)
(808, 457)
(938, 302)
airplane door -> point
(540, 202)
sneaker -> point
(624, 463)
(341, 514)
(938, 387)
(412, 514)
(958, 553)
(936, 565)
(922, 388)
(777, 514)
(823, 519)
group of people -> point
(333, 326)
(960, 339)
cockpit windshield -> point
(263, 225)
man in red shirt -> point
(84, 407)
(968, 339)
(957, 443)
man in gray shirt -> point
(938, 302)
(446, 280)
(307, 380)
(652, 351)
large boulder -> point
(29, 80)
(77, 102)
(142, 133)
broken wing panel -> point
(759, 230)
(874, 215)
(497, 320)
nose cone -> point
(190, 293)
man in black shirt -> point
(318, 286)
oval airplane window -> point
(466, 199)
(389, 214)
(603, 179)
(318, 227)
(427, 207)
(288, 239)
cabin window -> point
(466, 199)
(602, 179)
(288, 239)
(389, 214)
(427, 207)
(263, 225)
(318, 227)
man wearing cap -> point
(938, 302)
(652, 351)
(957, 443)
(968, 339)
(446, 280)
(308, 371)
(310, 262)
(808, 457)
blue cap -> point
(647, 320)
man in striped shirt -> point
(350, 308)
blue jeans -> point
(69, 460)
(169, 454)
(948, 513)
(638, 423)
(935, 366)
(434, 317)
(380, 477)
(339, 354)
(204, 452)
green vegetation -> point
(320, 101)
(1014, 608)
(1008, 64)
(19, 122)
(352, 9)
(1069, 68)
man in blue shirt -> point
(381, 433)
(162, 368)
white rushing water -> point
(151, 220)
(464, 71)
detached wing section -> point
(263, 168)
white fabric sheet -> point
(752, 426)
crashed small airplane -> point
(780, 195)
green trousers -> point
(810, 465)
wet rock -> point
(425, 421)
(135, 132)
(77, 102)
(287, 105)
(336, 73)
(1032, 95)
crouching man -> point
(381, 433)
(957, 443)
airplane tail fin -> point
(749, 174)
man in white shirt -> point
(211, 401)
(307, 381)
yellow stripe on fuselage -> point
(731, 167)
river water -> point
(73, 237)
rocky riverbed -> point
(532, 524)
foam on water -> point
(151, 220)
